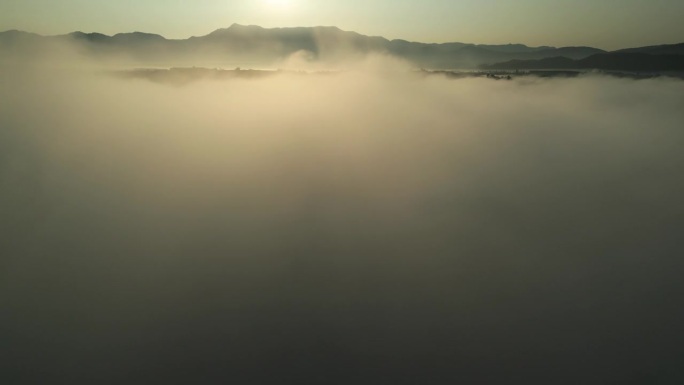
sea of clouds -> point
(372, 225)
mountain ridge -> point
(613, 61)
(259, 45)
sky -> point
(607, 24)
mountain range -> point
(624, 60)
(257, 46)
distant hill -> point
(666, 49)
(614, 61)
(254, 45)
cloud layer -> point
(367, 226)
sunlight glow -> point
(277, 4)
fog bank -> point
(368, 226)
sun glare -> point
(277, 4)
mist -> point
(371, 225)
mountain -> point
(257, 46)
(614, 61)
(556, 62)
(666, 49)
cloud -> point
(362, 224)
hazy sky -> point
(601, 23)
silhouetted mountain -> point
(266, 46)
(13, 39)
(558, 62)
(667, 49)
(136, 37)
(635, 62)
(617, 61)
(569, 52)
(15, 35)
(88, 37)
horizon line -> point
(325, 26)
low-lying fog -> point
(369, 226)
